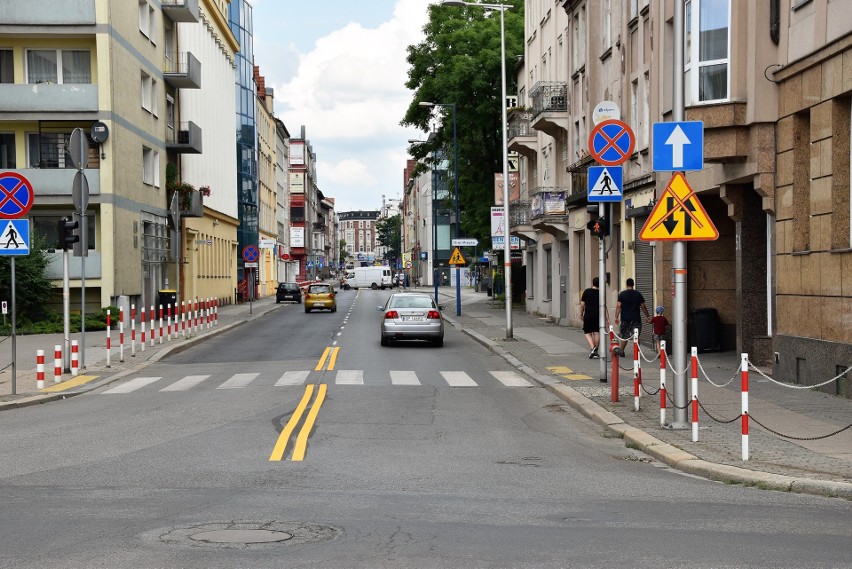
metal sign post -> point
(79, 153)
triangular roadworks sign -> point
(678, 216)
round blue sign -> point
(611, 142)
(250, 253)
(16, 195)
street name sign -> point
(465, 242)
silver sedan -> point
(411, 316)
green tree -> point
(388, 233)
(32, 287)
(342, 250)
(458, 62)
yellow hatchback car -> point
(320, 296)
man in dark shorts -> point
(589, 312)
(630, 301)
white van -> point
(369, 277)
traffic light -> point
(599, 227)
(65, 229)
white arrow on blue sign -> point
(678, 146)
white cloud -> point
(350, 94)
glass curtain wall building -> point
(240, 18)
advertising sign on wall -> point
(297, 182)
(297, 153)
(297, 237)
(514, 188)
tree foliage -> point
(458, 62)
(32, 287)
(388, 233)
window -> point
(147, 20)
(7, 66)
(706, 50)
(59, 66)
(147, 91)
(150, 167)
(170, 113)
(7, 150)
(606, 24)
(45, 226)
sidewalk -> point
(818, 464)
(557, 358)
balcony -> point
(548, 211)
(58, 181)
(186, 140)
(181, 10)
(550, 107)
(521, 136)
(519, 220)
(76, 13)
(182, 70)
(19, 100)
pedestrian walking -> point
(630, 302)
(590, 313)
(661, 327)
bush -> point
(53, 323)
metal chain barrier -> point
(704, 373)
(5, 367)
(645, 389)
(674, 371)
(649, 360)
(787, 385)
(723, 421)
(774, 432)
(671, 401)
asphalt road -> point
(404, 467)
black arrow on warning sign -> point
(670, 223)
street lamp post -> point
(456, 183)
(507, 253)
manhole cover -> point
(241, 536)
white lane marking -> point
(188, 382)
(132, 385)
(349, 377)
(404, 378)
(458, 379)
(292, 378)
(510, 379)
(238, 381)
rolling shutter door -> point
(644, 259)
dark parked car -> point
(288, 291)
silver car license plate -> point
(412, 319)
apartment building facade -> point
(769, 81)
(358, 229)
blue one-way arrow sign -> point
(678, 146)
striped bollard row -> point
(161, 324)
(121, 334)
(662, 383)
(132, 330)
(636, 370)
(39, 369)
(108, 340)
(143, 330)
(694, 394)
(57, 364)
(75, 358)
(169, 322)
(151, 315)
(183, 318)
(744, 387)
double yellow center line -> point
(329, 356)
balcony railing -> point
(519, 213)
(549, 96)
(519, 124)
(185, 140)
(182, 70)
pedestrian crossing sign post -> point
(457, 258)
(678, 216)
(15, 239)
(605, 184)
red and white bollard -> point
(613, 350)
(143, 330)
(169, 322)
(637, 370)
(207, 313)
(132, 330)
(694, 394)
(151, 336)
(57, 364)
(161, 323)
(39, 369)
(121, 334)
(662, 382)
(744, 377)
(108, 339)
(216, 312)
(195, 315)
(183, 318)
(75, 358)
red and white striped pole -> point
(612, 350)
(151, 320)
(39, 369)
(109, 339)
(195, 316)
(207, 313)
(143, 329)
(75, 361)
(744, 376)
(183, 318)
(57, 364)
(636, 369)
(161, 323)
(694, 394)
(132, 330)
(169, 322)
(120, 334)
(216, 312)
(662, 382)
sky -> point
(338, 68)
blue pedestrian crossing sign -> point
(678, 146)
(15, 237)
(605, 184)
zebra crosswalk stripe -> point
(404, 378)
(292, 378)
(510, 379)
(458, 379)
(238, 381)
(132, 385)
(187, 382)
(349, 377)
